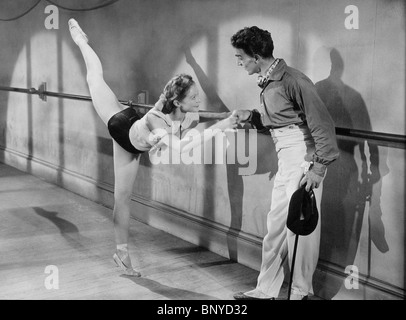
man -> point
(304, 136)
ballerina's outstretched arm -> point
(161, 138)
(205, 116)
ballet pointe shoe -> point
(76, 32)
(122, 259)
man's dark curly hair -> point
(253, 40)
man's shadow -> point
(350, 190)
(266, 155)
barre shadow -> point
(168, 291)
(64, 226)
(70, 233)
(190, 251)
(351, 190)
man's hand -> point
(311, 180)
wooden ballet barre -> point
(43, 94)
(394, 140)
(388, 137)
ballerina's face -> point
(191, 102)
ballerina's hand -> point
(230, 123)
(242, 115)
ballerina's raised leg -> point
(126, 164)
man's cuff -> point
(250, 117)
(319, 169)
(255, 120)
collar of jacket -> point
(275, 75)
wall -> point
(360, 74)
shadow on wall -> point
(266, 156)
(350, 191)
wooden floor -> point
(42, 225)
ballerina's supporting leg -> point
(125, 171)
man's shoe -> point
(243, 296)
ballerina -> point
(176, 110)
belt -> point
(290, 126)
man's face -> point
(246, 61)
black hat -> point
(302, 215)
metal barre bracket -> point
(41, 91)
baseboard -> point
(77, 183)
(232, 244)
